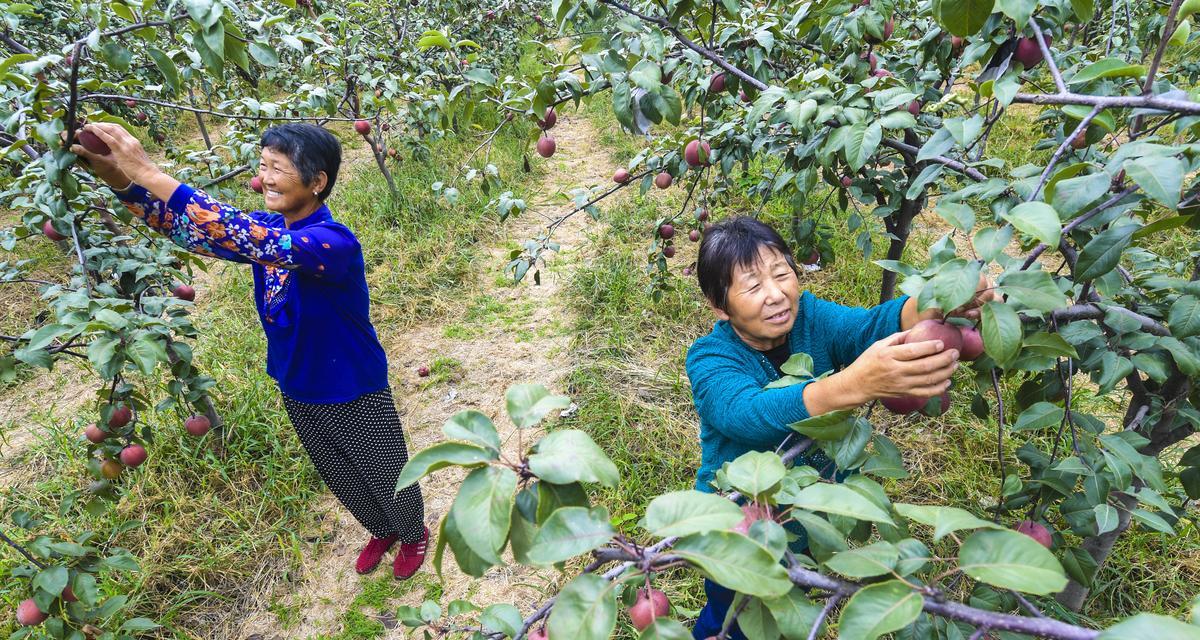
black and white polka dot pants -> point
(358, 449)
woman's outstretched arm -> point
(198, 223)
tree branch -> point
(93, 97)
(1105, 102)
(1062, 148)
(1053, 66)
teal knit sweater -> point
(727, 376)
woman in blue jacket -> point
(311, 292)
(749, 278)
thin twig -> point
(830, 603)
(93, 97)
(21, 550)
(1054, 72)
(1062, 148)
(999, 442)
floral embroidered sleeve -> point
(196, 222)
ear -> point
(718, 312)
(319, 182)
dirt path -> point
(506, 335)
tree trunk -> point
(1098, 547)
(899, 225)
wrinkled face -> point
(283, 188)
(761, 302)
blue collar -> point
(322, 214)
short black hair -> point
(311, 148)
(730, 244)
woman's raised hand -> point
(889, 369)
(126, 161)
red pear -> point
(717, 84)
(914, 107)
(120, 417)
(924, 330)
(648, 607)
(691, 153)
(539, 634)
(256, 184)
(546, 147)
(972, 344)
(621, 176)
(28, 614)
(133, 455)
(51, 232)
(814, 257)
(423, 371)
(111, 469)
(1029, 53)
(667, 231)
(362, 126)
(663, 180)
(669, 251)
(1036, 531)
(95, 434)
(694, 235)
(184, 292)
(904, 405)
(752, 513)
(549, 120)
(197, 425)
(68, 595)
(93, 143)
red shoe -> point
(373, 553)
(410, 558)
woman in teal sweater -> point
(749, 278)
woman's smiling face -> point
(761, 302)
(283, 188)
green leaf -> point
(735, 562)
(798, 364)
(944, 520)
(887, 461)
(1151, 625)
(483, 510)
(146, 351)
(1011, 560)
(1084, 9)
(166, 67)
(470, 563)
(990, 241)
(755, 473)
(646, 74)
(1032, 290)
(794, 614)
(1161, 177)
(962, 17)
(1039, 416)
(681, 513)
(665, 629)
(504, 618)
(586, 609)
(439, 456)
(1184, 317)
(135, 625)
(264, 55)
(570, 455)
(1106, 68)
(865, 562)
(1106, 518)
(1019, 10)
(879, 609)
(833, 425)
(861, 142)
(959, 215)
(434, 39)
(840, 500)
(569, 532)
(1036, 219)
(52, 580)
(1001, 329)
(474, 427)
(1079, 565)
(529, 403)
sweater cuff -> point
(180, 199)
(135, 194)
(791, 407)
